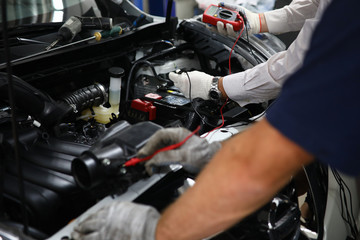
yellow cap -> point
(97, 36)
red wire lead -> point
(135, 160)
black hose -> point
(140, 62)
(86, 97)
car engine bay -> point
(85, 108)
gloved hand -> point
(199, 87)
(252, 21)
(119, 220)
(193, 155)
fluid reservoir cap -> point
(116, 72)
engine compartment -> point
(72, 143)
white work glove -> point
(193, 155)
(119, 220)
(252, 21)
(200, 83)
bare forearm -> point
(239, 180)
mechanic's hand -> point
(119, 220)
(193, 155)
(252, 21)
(226, 30)
(199, 87)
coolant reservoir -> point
(100, 113)
(103, 114)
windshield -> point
(20, 12)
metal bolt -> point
(123, 170)
(106, 162)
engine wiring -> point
(222, 120)
(346, 213)
(197, 112)
(131, 73)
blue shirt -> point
(319, 105)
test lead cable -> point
(232, 49)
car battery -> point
(141, 110)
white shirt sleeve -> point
(291, 17)
(263, 82)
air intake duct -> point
(105, 158)
(34, 102)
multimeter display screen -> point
(212, 10)
(214, 13)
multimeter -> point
(215, 13)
